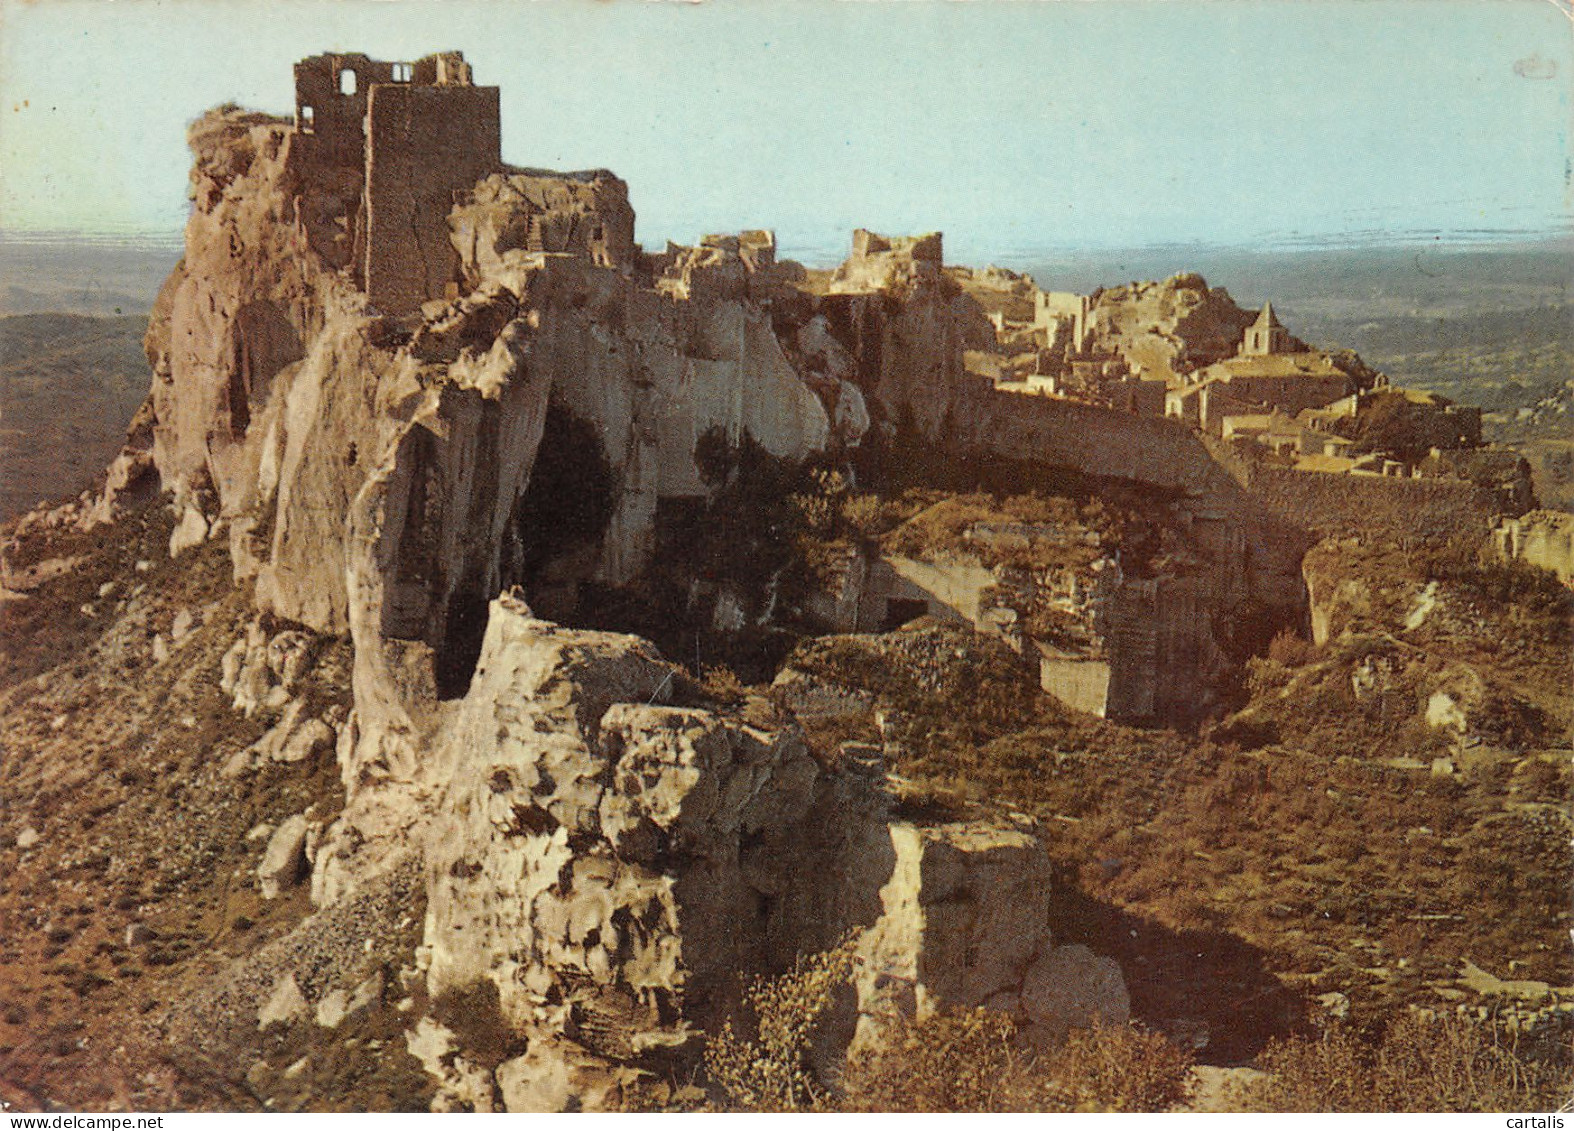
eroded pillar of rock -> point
(965, 923)
(609, 862)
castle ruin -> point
(388, 146)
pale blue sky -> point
(1008, 125)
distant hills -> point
(68, 386)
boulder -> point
(965, 923)
(1070, 987)
(191, 530)
(555, 1075)
(284, 1005)
(284, 860)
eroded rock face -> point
(617, 867)
(965, 923)
(372, 472)
(610, 862)
(614, 863)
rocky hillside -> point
(319, 631)
(336, 776)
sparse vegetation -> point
(770, 1071)
(963, 1060)
(475, 1015)
(1325, 839)
(972, 1060)
(1419, 1063)
(1382, 809)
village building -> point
(1267, 335)
(1271, 372)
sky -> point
(1010, 126)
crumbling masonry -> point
(399, 141)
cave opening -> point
(562, 515)
(455, 661)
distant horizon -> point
(830, 250)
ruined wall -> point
(333, 115)
(424, 143)
(1055, 306)
(949, 590)
(1544, 539)
(1290, 393)
(1077, 681)
(882, 261)
(574, 213)
(1377, 505)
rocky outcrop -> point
(1542, 538)
(373, 473)
(617, 866)
(376, 475)
(284, 859)
(965, 923)
(347, 450)
(1167, 329)
(611, 858)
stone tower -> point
(405, 138)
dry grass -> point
(1433, 1064)
(114, 758)
(971, 1061)
(771, 1071)
(1304, 848)
(965, 1060)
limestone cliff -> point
(409, 477)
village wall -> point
(1375, 504)
(1096, 440)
